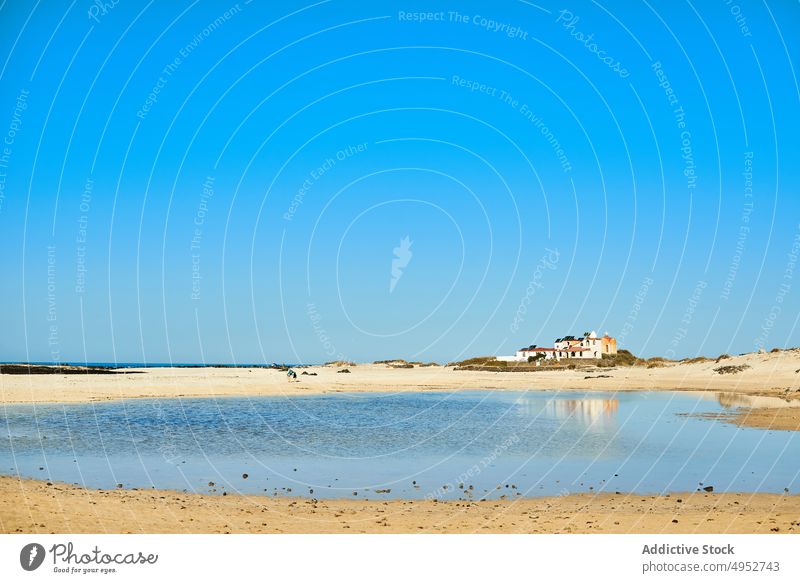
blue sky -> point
(223, 182)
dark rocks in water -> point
(383, 491)
(345, 370)
(244, 476)
(709, 488)
(211, 484)
(119, 486)
(224, 493)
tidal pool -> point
(443, 445)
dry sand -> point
(31, 506)
(773, 374)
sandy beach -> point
(775, 374)
(760, 382)
(31, 506)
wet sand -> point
(32, 506)
(784, 419)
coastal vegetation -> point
(731, 369)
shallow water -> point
(470, 444)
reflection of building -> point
(587, 411)
(587, 346)
(580, 428)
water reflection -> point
(737, 400)
(592, 413)
(405, 446)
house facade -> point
(589, 346)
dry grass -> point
(731, 369)
(695, 360)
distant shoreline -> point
(112, 368)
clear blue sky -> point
(222, 182)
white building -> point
(587, 347)
(523, 354)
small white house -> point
(571, 347)
(523, 354)
(540, 351)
